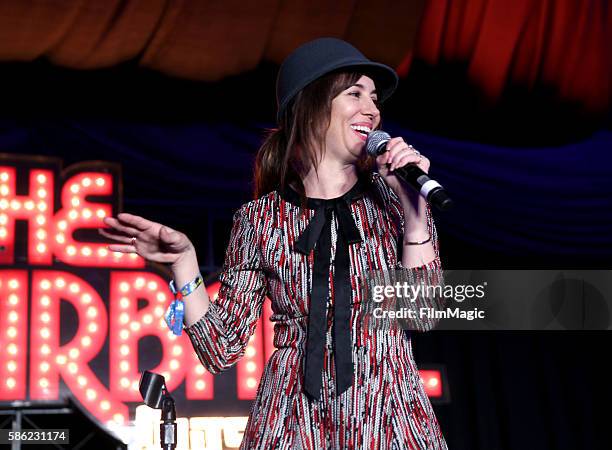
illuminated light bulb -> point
(45, 333)
(139, 283)
(75, 201)
(15, 204)
(152, 285)
(45, 300)
(59, 238)
(124, 334)
(177, 350)
(200, 385)
(13, 316)
(86, 298)
(41, 178)
(40, 219)
(42, 206)
(74, 353)
(135, 326)
(74, 288)
(42, 193)
(86, 213)
(41, 234)
(44, 383)
(124, 318)
(124, 302)
(91, 394)
(74, 188)
(61, 359)
(86, 251)
(4, 190)
(71, 250)
(4, 176)
(73, 214)
(161, 297)
(92, 327)
(4, 204)
(124, 350)
(13, 284)
(100, 181)
(200, 370)
(3, 232)
(118, 418)
(251, 382)
(44, 367)
(3, 219)
(158, 311)
(92, 312)
(133, 255)
(148, 319)
(174, 364)
(125, 383)
(124, 287)
(102, 252)
(101, 213)
(124, 366)
(162, 325)
(73, 368)
(41, 248)
(45, 285)
(250, 351)
(85, 341)
(62, 225)
(45, 317)
(11, 366)
(86, 181)
(251, 366)
(81, 380)
(10, 383)
(135, 385)
(166, 375)
(13, 299)
(60, 282)
(29, 205)
(433, 382)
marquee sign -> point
(72, 313)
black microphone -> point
(431, 190)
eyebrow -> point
(364, 88)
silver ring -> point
(133, 242)
(416, 152)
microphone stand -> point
(167, 427)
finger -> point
(122, 248)
(118, 226)
(408, 158)
(383, 159)
(115, 237)
(400, 152)
(137, 222)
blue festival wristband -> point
(175, 313)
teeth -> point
(361, 128)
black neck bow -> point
(317, 236)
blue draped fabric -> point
(545, 200)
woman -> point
(321, 222)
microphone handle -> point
(430, 189)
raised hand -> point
(151, 240)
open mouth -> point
(361, 131)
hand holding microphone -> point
(416, 177)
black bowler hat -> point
(316, 58)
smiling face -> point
(354, 114)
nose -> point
(370, 109)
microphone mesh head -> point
(376, 142)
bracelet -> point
(187, 289)
(418, 242)
(175, 313)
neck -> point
(331, 180)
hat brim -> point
(384, 77)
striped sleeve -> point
(220, 337)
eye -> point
(355, 93)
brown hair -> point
(289, 151)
